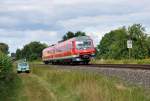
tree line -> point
(31, 51)
(113, 44)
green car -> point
(23, 67)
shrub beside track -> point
(9, 82)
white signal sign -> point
(129, 43)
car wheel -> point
(18, 71)
(46, 62)
(28, 71)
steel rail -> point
(114, 66)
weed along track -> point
(132, 73)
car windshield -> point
(23, 64)
(83, 44)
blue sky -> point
(23, 21)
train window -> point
(85, 44)
(53, 51)
(60, 49)
(49, 52)
(70, 46)
(67, 47)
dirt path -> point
(35, 89)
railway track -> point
(117, 66)
(121, 66)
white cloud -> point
(29, 20)
(17, 39)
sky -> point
(23, 21)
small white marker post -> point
(129, 46)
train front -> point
(84, 48)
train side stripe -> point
(66, 57)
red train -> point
(75, 50)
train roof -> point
(78, 38)
(82, 38)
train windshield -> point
(83, 44)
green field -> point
(50, 84)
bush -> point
(5, 64)
(9, 81)
(33, 57)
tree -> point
(18, 54)
(5, 64)
(79, 33)
(13, 56)
(70, 34)
(148, 45)
(114, 44)
(137, 33)
(31, 51)
(4, 48)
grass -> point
(9, 81)
(128, 61)
(33, 89)
(10, 88)
(37, 62)
(67, 85)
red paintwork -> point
(73, 51)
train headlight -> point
(93, 55)
(78, 59)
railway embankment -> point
(131, 73)
(76, 84)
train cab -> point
(84, 49)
